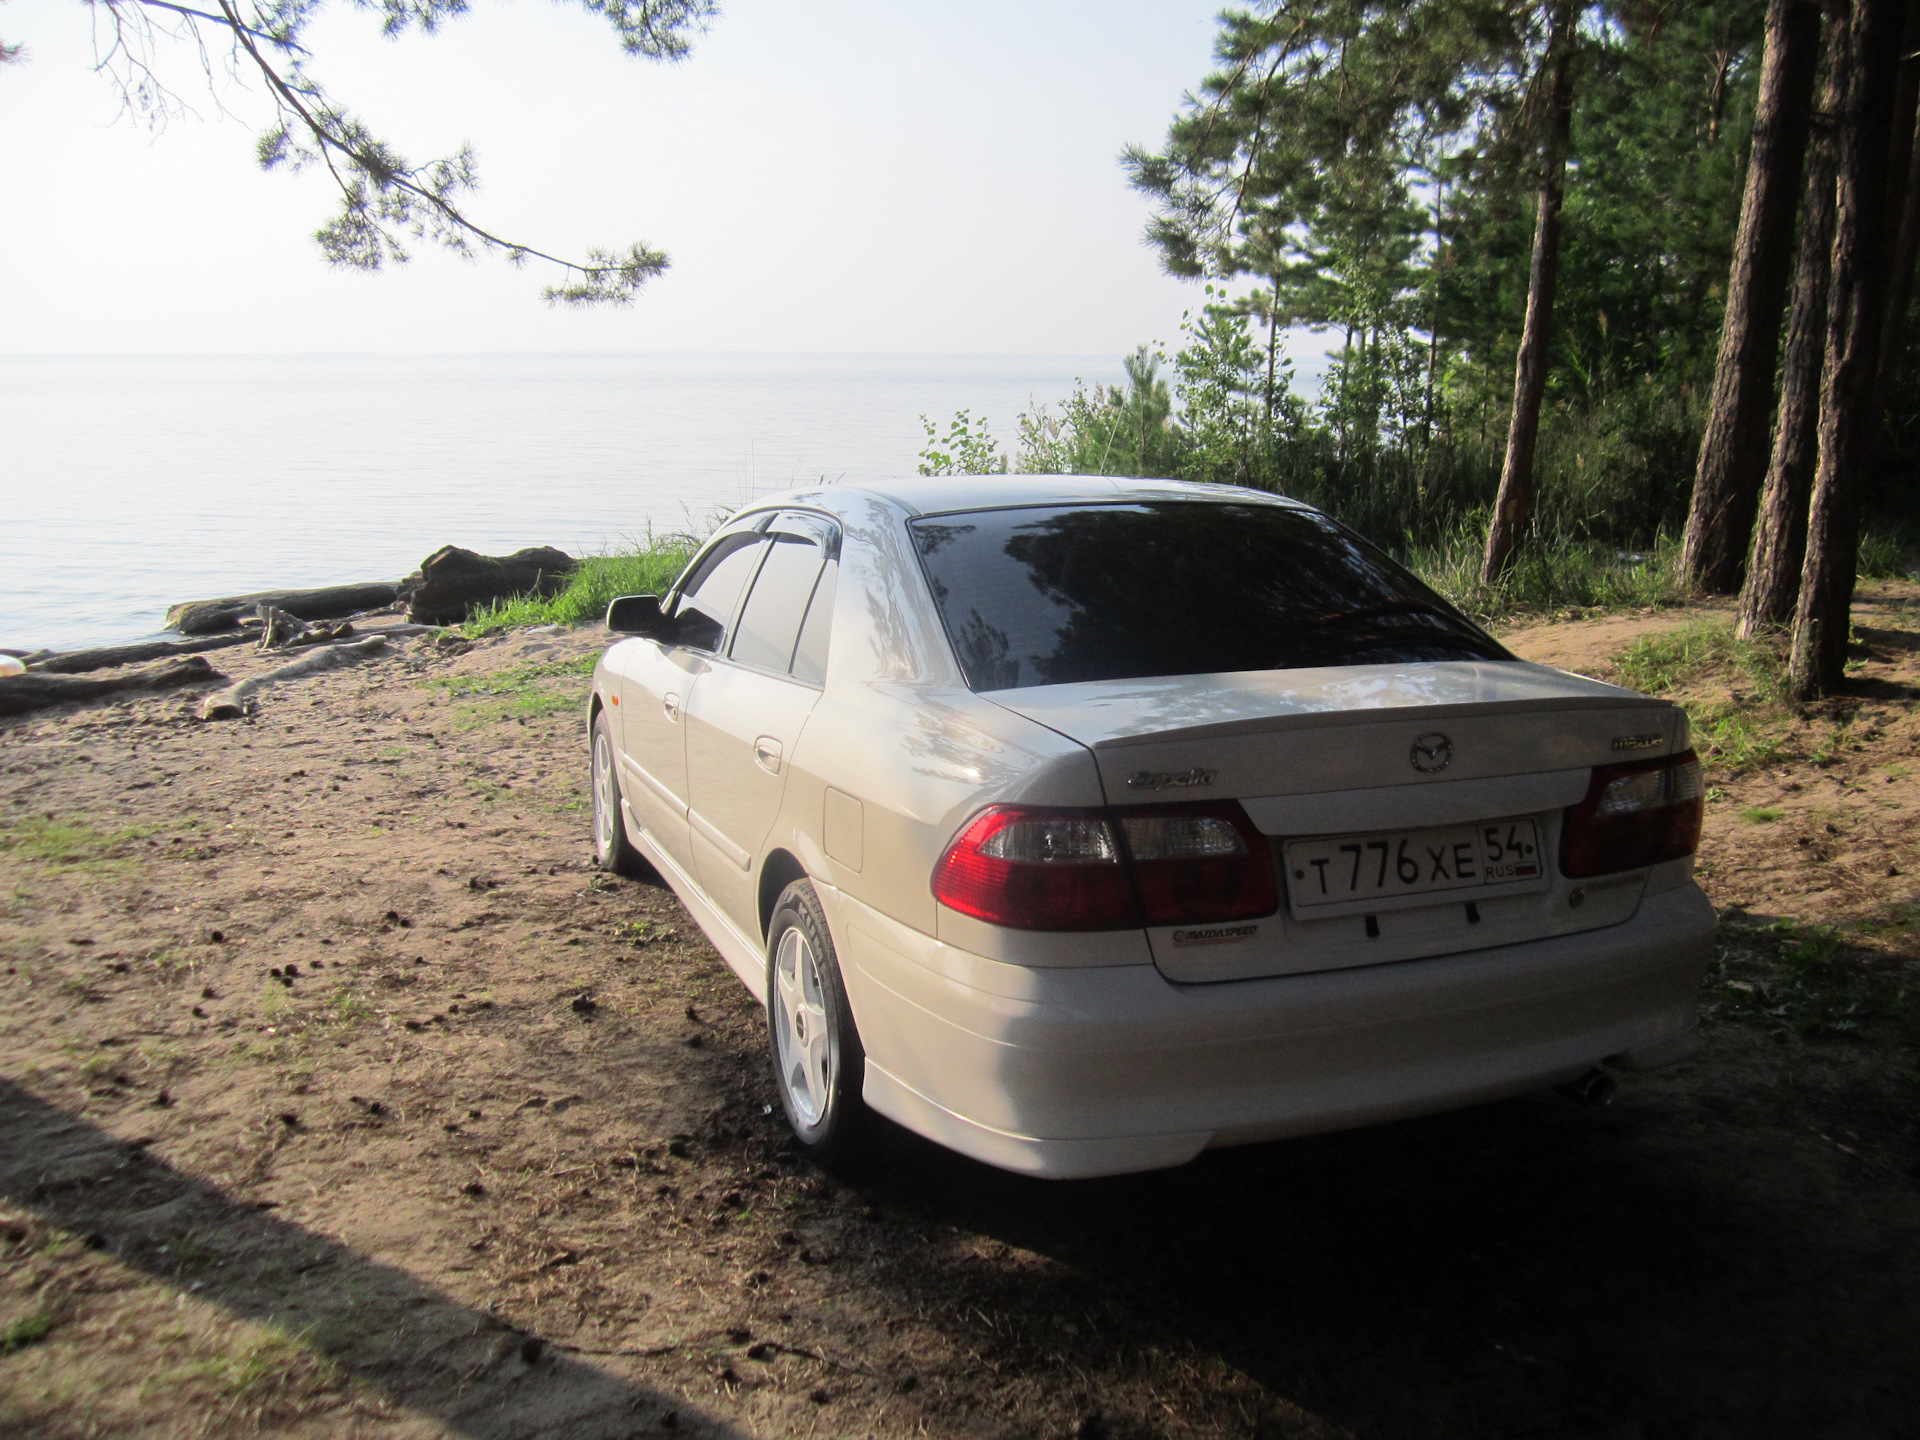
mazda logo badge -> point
(1432, 752)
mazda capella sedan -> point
(1080, 823)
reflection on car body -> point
(1082, 824)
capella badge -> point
(1638, 742)
(1432, 753)
(1170, 779)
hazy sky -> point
(848, 175)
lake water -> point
(130, 483)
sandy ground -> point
(340, 1096)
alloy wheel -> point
(605, 807)
(802, 1030)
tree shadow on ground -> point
(1886, 641)
(1522, 1269)
(419, 1347)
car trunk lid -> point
(1398, 763)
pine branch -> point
(385, 202)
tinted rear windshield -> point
(1052, 595)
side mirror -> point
(639, 615)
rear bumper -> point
(1105, 1069)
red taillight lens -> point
(1038, 870)
(1101, 870)
(1633, 816)
(1195, 864)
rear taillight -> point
(1633, 816)
(1195, 864)
(1038, 870)
(1108, 870)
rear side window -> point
(1053, 595)
(709, 599)
(770, 622)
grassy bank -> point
(647, 569)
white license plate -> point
(1349, 869)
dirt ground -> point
(339, 1096)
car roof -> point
(940, 494)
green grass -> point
(1547, 577)
(59, 842)
(1760, 815)
(1736, 739)
(1840, 738)
(29, 1330)
(1748, 730)
(1702, 650)
(272, 1366)
(647, 569)
(525, 692)
(1803, 979)
(1883, 554)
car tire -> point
(612, 851)
(818, 1062)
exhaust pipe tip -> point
(1594, 1090)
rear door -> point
(657, 680)
(743, 720)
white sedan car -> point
(1080, 824)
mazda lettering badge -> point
(1432, 752)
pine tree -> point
(1514, 505)
(1772, 585)
(1733, 452)
(1854, 323)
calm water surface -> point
(127, 484)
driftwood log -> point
(280, 631)
(204, 617)
(453, 583)
(20, 694)
(234, 701)
(75, 662)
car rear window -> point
(1052, 595)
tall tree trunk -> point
(1854, 323)
(1433, 322)
(1780, 539)
(1514, 505)
(1433, 371)
(1903, 208)
(1733, 452)
(1273, 345)
(1780, 536)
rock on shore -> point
(452, 583)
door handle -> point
(671, 704)
(766, 754)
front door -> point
(657, 681)
(743, 721)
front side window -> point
(1057, 594)
(708, 601)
